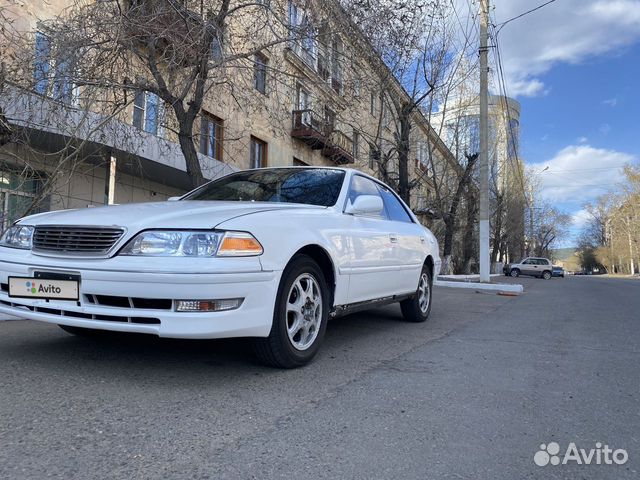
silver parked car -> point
(536, 267)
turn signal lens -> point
(208, 305)
(239, 244)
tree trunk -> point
(467, 239)
(631, 264)
(447, 246)
(497, 232)
(188, 147)
(403, 154)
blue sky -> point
(574, 66)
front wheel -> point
(418, 307)
(300, 316)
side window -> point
(527, 262)
(364, 186)
(395, 210)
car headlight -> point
(18, 236)
(170, 243)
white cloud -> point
(580, 218)
(583, 140)
(566, 31)
(612, 102)
(579, 173)
(605, 128)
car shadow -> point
(149, 354)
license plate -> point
(24, 287)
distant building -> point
(460, 124)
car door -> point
(526, 267)
(373, 259)
(539, 266)
(409, 239)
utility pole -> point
(484, 144)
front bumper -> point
(158, 278)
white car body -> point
(370, 259)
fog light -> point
(208, 305)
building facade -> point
(303, 89)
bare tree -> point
(179, 51)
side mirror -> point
(173, 199)
(365, 205)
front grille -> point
(86, 316)
(130, 302)
(76, 240)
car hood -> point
(179, 214)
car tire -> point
(417, 308)
(300, 316)
(81, 331)
(514, 272)
(546, 274)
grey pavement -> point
(470, 394)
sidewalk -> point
(472, 282)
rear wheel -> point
(546, 274)
(300, 316)
(515, 272)
(418, 307)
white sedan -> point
(268, 253)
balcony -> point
(339, 148)
(319, 133)
(53, 126)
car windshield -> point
(312, 186)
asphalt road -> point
(470, 394)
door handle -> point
(393, 238)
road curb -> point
(496, 287)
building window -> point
(260, 73)
(324, 55)
(42, 63)
(147, 112)
(356, 144)
(512, 138)
(211, 136)
(257, 153)
(216, 48)
(17, 193)
(356, 87)
(422, 154)
(336, 69)
(53, 75)
(373, 154)
(303, 103)
(304, 33)
(372, 107)
(329, 119)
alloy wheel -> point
(304, 311)
(424, 296)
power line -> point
(501, 25)
(503, 90)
